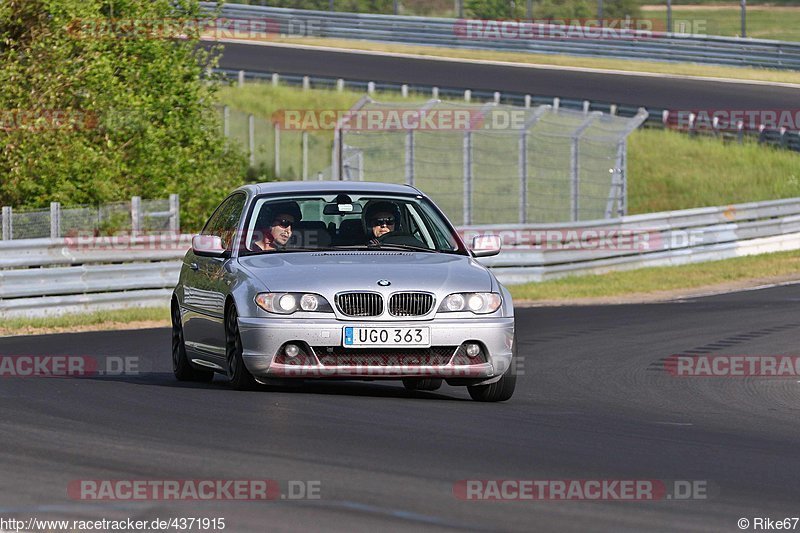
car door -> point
(207, 281)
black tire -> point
(238, 375)
(500, 390)
(181, 367)
(429, 384)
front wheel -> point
(238, 375)
(502, 389)
(499, 391)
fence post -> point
(306, 83)
(8, 223)
(616, 190)
(527, 101)
(523, 176)
(175, 214)
(435, 93)
(275, 79)
(340, 85)
(410, 157)
(277, 131)
(623, 182)
(55, 220)
(467, 95)
(371, 88)
(575, 166)
(136, 216)
(241, 78)
(467, 153)
(304, 148)
(226, 121)
(523, 160)
(404, 90)
(251, 139)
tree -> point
(100, 107)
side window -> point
(225, 220)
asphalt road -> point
(594, 403)
(612, 88)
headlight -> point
(286, 303)
(480, 303)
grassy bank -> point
(666, 281)
(669, 170)
(763, 22)
(106, 320)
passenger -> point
(275, 222)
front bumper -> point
(263, 338)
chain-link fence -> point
(137, 216)
(283, 153)
(500, 164)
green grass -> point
(83, 320)
(763, 23)
(655, 280)
(669, 170)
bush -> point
(551, 9)
(140, 120)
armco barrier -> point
(453, 33)
(90, 275)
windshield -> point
(345, 222)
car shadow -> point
(375, 389)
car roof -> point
(289, 187)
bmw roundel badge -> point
(384, 282)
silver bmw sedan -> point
(341, 280)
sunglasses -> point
(383, 221)
(283, 222)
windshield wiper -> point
(382, 246)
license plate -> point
(357, 337)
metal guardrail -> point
(88, 274)
(658, 46)
(84, 277)
(549, 251)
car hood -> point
(331, 272)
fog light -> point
(291, 350)
(473, 350)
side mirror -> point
(486, 245)
(208, 246)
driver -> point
(380, 218)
